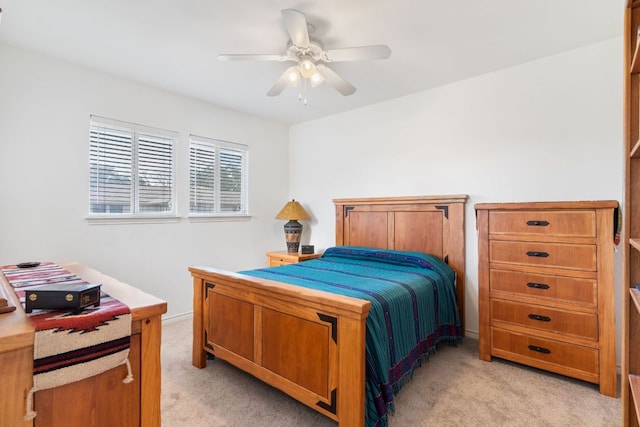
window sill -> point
(132, 219)
(160, 219)
(213, 218)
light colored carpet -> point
(454, 388)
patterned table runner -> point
(71, 347)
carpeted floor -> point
(454, 388)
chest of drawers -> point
(546, 287)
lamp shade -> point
(292, 211)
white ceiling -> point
(173, 44)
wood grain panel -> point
(565, 290)
(630, 363)
(150, 371)
(578, 324)
(562, 358)
(414, 231)
(606, 307)
(98, 401)
(484, 310)
(367, 229)
(296, 349)
(579, 257)
(231, 324)
(558, 223)
(16, 367)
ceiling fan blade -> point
(356, 53)
(335, 81)
(281, 83)
(296, 24)
(250, 57)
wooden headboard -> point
(430, 224)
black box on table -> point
(72, 297)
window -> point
(217, 177)
(131, 169)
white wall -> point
(44, 121)
(545, 130)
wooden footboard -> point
(309, 344)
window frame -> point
(217, 145)
(137, 215)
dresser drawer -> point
(548, 354)
(278, 258)
(562, 255)
(278, 262)
(578, 324)
(563, 289)
(551, 223)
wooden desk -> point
(101, 401)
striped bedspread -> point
(413, 310)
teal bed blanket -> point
(413, 310)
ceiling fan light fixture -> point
(316, 79)
(293, 76)
(307, 68)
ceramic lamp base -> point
(292, 234)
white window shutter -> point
(111, 160)
(131, 169)
(218, 177)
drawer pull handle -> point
(540, 318)
(538, 254)
(538, 223)
(538, 285)
(539, 349)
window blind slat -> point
(131, 171)
(217, 177)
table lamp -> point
(292, 211)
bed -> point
(316, 345)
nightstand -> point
(277, 258)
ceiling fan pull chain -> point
(302, 95)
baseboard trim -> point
(176, 317)
(471, 334)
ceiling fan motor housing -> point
(313, 52)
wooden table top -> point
(16, 331)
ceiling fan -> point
(311, 58)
